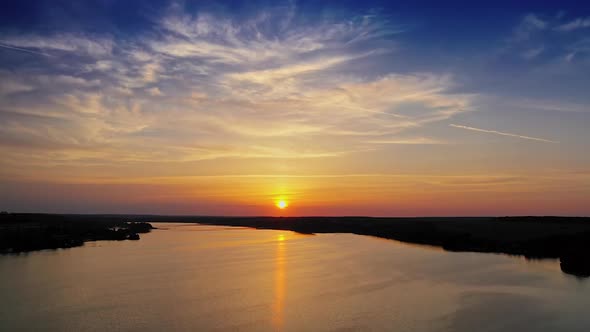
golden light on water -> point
(279, 276)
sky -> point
(336, 107)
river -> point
(186, 277)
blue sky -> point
(454, 98)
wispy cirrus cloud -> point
(234, 103)
(10, 47)
(529, 25)
(575, 24)
(550, 37)
(549, 105)
(67, 42)
(495, 132)
(533, 53)
(204, 86)
(8, 87)
(407, 141)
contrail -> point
(503, 133)
(22, 49)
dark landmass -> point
(28, 232)
(563, 238)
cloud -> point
(578, 23)
(150, 72)
(532, 21)
(270, 76)
(155, 91)
(482, 180)
(60, 42)
(544, 38)
(503, 133)
(406, 141)
(8, 87)
(580, 48)
(570, 56)
(549, 105)
(22, 50)
(529, 24)
(265, 86)
(533, 53)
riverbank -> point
(563, 238)
(29, 232)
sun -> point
(282, 204)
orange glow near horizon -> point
(206, 117)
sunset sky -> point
(335, 107)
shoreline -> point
(563, 238)
(22, 233)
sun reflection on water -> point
(279, 276)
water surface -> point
(210, 278)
